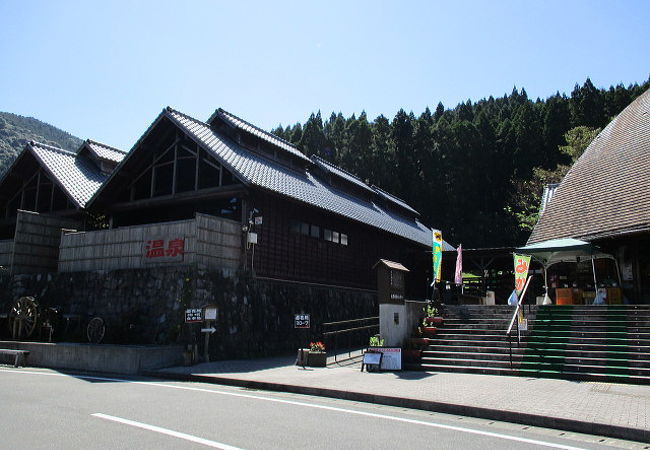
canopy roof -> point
(562, 250)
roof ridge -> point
(377, 188)
(33, 143)
(221, 110)
(172, 110)
(331, 164)
(107, 146)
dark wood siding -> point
(286, 254)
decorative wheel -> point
(96, 330)
(23, 317)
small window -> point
(294, 227)
(315, 231)
(327, 234)
(304, 228)
(344, 239)
(335, 236)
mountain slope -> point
(16, 130)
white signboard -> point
(392, 359)
(210, 313)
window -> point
(335, 237)
(315, 231)
(304, 228)
(327, 234)
(344, 239)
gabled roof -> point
(241, 124)
(103, 151)
(300, 185)
(340, 173)
(394, 200)
(607, 191)
(78, 177)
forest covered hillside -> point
(16, 131)
(477, 170)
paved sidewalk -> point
(608, 409)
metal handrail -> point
(350, 321)
(336, 333)
(514, 316)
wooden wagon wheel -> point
(96, 330)
(23, 317)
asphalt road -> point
(42, 408)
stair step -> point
(582, 342)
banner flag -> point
(458, 275)
(437, 255)
(522, 262)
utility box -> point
(390, 282)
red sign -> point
(161, 249)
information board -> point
(302, 321)
(392, 359)
(193, 315)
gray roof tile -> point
(299, 185)
(607, 191)
(236, 122)
(337, 171)
(78, 177)
(103, 151)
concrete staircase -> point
(584, 342)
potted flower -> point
(376, 341)
(428, 328)
(432, 317)
(317, 356)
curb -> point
(578, 426)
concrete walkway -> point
(607, 409)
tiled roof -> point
(299, 185)
(103, 151)
(547, 195)
(77, 176)
(395, 200)
(252, 129)
(607, 191)
(337, 171)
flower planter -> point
(435, 321)
(429, 331)
(317, 359)
(418, 342)
(411, 355)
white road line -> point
(176, 434)
(309, 405)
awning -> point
(562, 250)
(565, 250)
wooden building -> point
(605, 198)
(302, 219)
(44, 190)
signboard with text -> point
(193, 315)
(392, 359)
(163, 249)
(302, 321)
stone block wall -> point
(146, 306)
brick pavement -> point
(609, 409)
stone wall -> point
(146, 306)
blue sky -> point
(104, 70)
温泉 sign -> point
(193, 315)
(163, 249)
(392, 359)
(301, 321)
